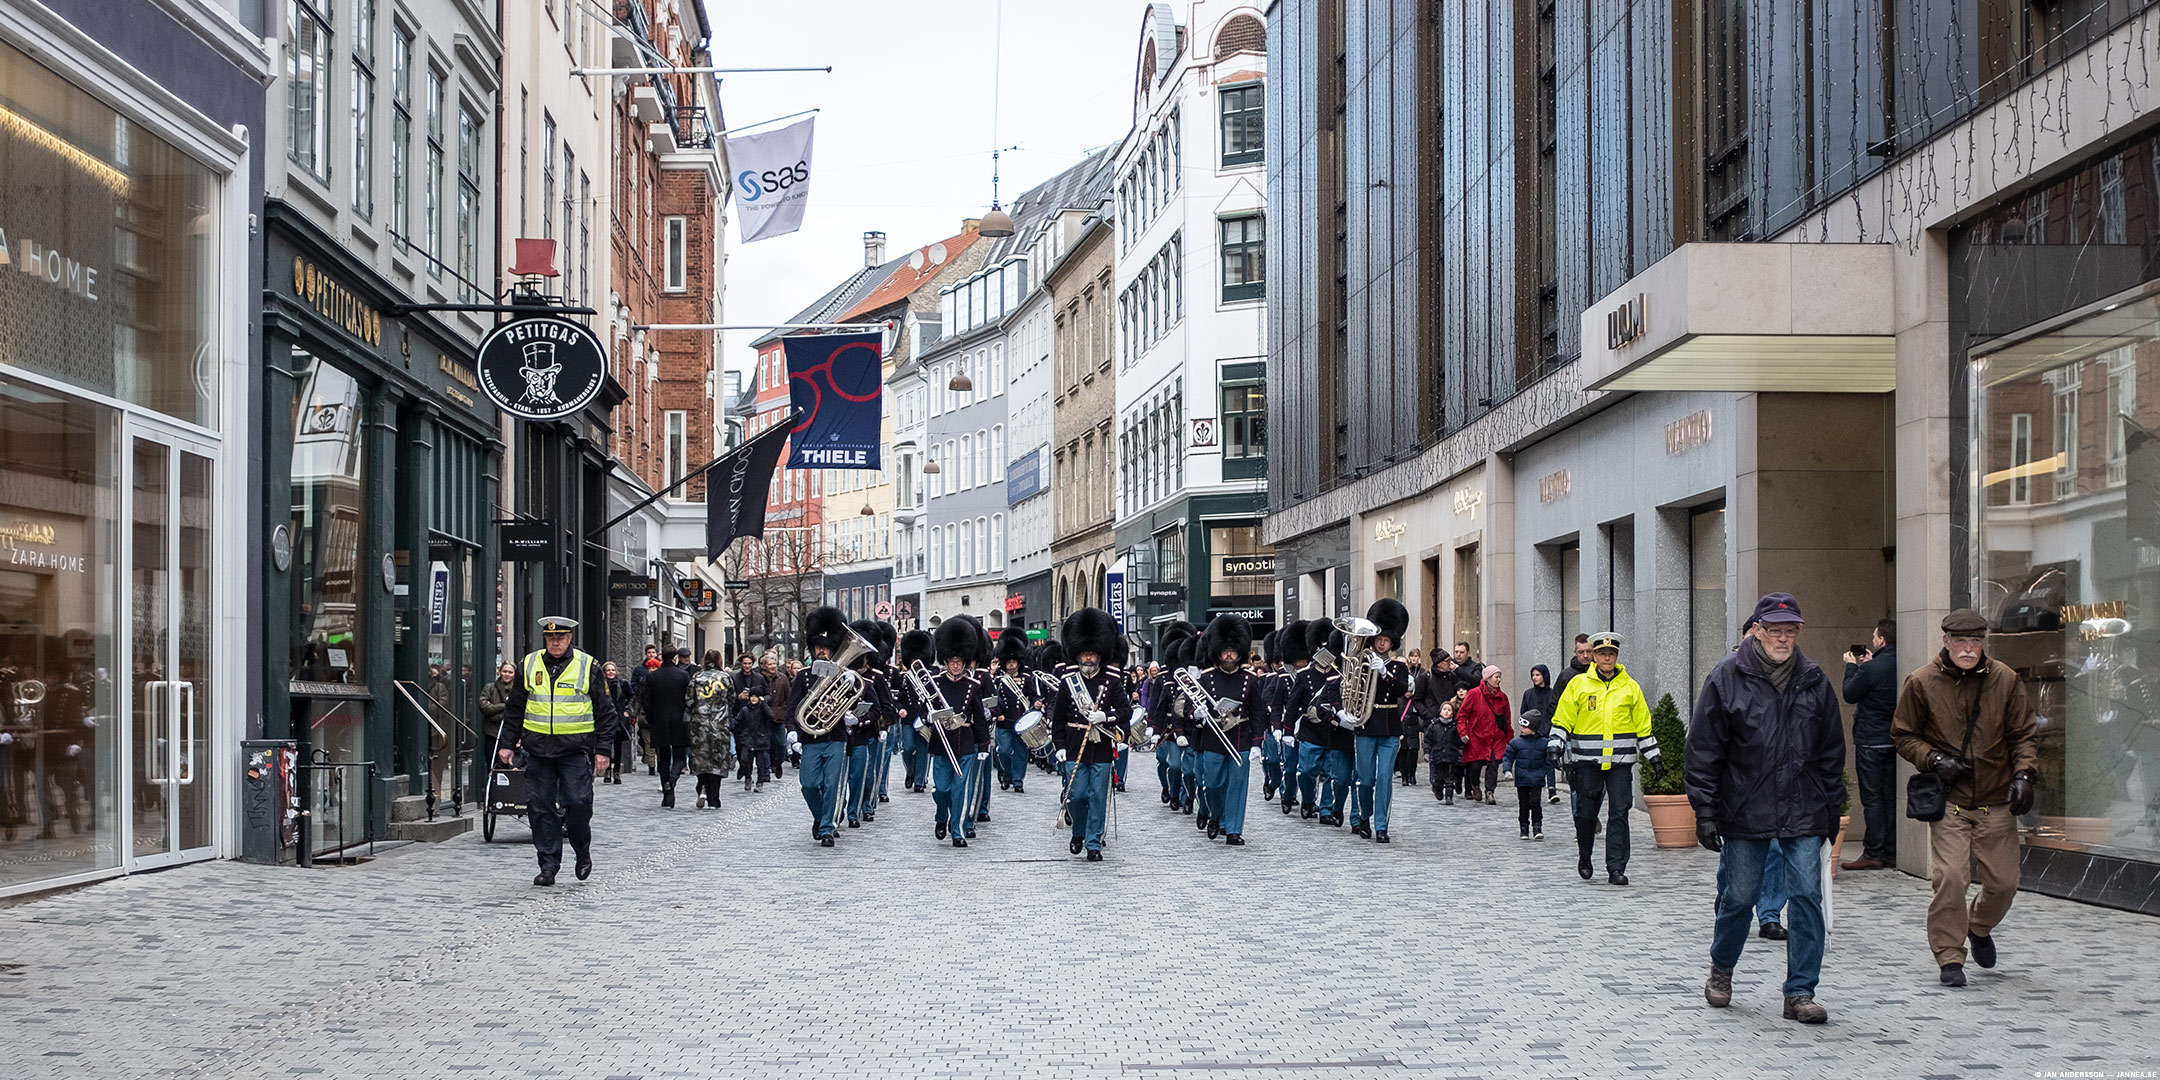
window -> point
(2066, 428)
(363, 107)
(937, 550)
(307, 87)
(584, 263)
(401, 56)
(952, 550)
(677, 254)
(1725, 46)
(569, 196)
(1244, 412)
(524, 157)
(1244, 259)
(468, 251)
(547, 175)
(2020, 458)
(997, 453)
(678, 448)
(434, 165)
(997, 543)
(1241, 123)
(982, 457)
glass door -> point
(170, 535)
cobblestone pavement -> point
(725, 944)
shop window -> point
(1388, 584)
(677, 254)
(1570, 566)
(1242, 123)
(1469, 598)
(329, 524)
(1244, 260)
(1243, 566)
(1710, 629)
(307, 88)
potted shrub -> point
(1671, 818)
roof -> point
(913, 275)
(1080, 187)
(839, 298)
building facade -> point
(1649, 364)
(1190, 274)
(1084, 416)
(134, 135)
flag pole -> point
(592, 537)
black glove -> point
(2021, 792)
(1949, 768)
(1706, 834)
(1657, 767)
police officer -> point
(562, 718)
(1601, 727)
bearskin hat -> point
(826, 627)
(915, 645)
(1295, 648)
(1092, 630)
(1392, 618)
(1225, 632)
(868, 631)
(1171, 639)
(956, 638)
(1050, 656)
(1012, 645)
(885, 639)
(1271, 647)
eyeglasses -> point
(1781, 631)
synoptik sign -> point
(772, 180)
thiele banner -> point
(772, 180)
(836, 383)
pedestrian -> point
(1010, 700)
(493, 696)
(665, 701)
(1540, 697)
(1274, 697)
(1965, 720)
(1600, 728)
(753, 726)
(1377, 741)
(824, 752)
(956, 698)
(1765, 760)
(872, 713)
(618, 690)
(1577, 664)
(778, 688)
(1443, 747)
(1524, 760)
(916, 750)
(1871, 689)
(1468, 672)
(1486, 721)
(745, 670)
(638, 675)
(712, 754)
(1338, 746)
(562, 721)
(1163, 704)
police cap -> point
(556, 624)
(1604, 639)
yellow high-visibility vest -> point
(562, 705)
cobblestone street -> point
(725, 944)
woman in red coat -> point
(1487, 723)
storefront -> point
(381, 477)
(1430, 552)
(2061, 313)
(1198, 558)
(123, 414)
(1027, 606)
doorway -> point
(168, 548)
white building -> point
(1190, 319)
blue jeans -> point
(1375, 780)
(1088, 799)
(1771, 908)
(820, 779)
(1012, 758)
(1336, 764)
(563, 780)
(1743, 868)
(1614, 787)
(947, 793)
(860, 779)
(1222, 797)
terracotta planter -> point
(1672, 819)
(1837, 846)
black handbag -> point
(1927, 798)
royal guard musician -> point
(865, 735)
(1315, 725)
(1274, 691)
(1167, 713)
(955, 696)
(891, 730)
(1232, 740)
(1376, 742)
(1012, 696)
(1297, 660)
(915, 751)
(1090, 723)
(1337, 744)
(824, 753)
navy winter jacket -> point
(1764, 765)
(1525, 755)
(1871, 689)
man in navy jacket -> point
(1871, 688)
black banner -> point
(526, 543)
(1164, 593)
(736, 489)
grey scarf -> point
(1780, 674)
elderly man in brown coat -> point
(1965, 718)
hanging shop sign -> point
(624, 585)
(1164, 593)
(525, 543)
(541, 368)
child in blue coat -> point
(1524, 759)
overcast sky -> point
(905, 129)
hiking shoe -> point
(1953, 974)
(1983, 950)
(1804, 1009)
(1718, 989)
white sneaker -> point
(1537, 836)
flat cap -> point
(556, 624)
(1964, 620)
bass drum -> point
(1034, 733)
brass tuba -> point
(833, 696)
(1360, 678)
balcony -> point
(631, 33)
(660, 138)
(645, 104)
(693, 127)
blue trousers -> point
(861, 777)
(1012, 759)
(558, 780)
(1308, 773)
(915, 755)
(887, 743)
(947, 792)
(820, 777)
(1375, 767)
(1117, 766)
(1167, 766)
(1746, 871)
(1089, 801)
(1271, 761)
(1189, 764)
(1336, 765)
(1223, 797)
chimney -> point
(968, 225)
(873, 249)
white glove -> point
(1138, 714)
(6, 738)
(1510, 775)
(1253, 754)
(74, 749)
(1097, 717)
(852, 719)
(1121, 747)
(1183, 741)
(794, 742)
(89, 721)
(1061, 757)
(1344, 719)
(982, 755)
(1289, 742)
(918, 723)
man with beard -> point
(1088, 723)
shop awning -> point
(1763, 317)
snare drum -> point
(1033, 732)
